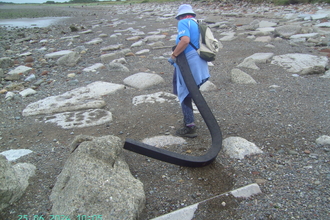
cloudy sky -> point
(32, 1)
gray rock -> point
(6, 62)
(208, 86)
(96, 179)
(263, 24)
(154, 38)
(13, 181)
(240, 77)
(143, 80)
(287, 30)
(117, 67)
(228, 36)
(302, 64)
(70, 59)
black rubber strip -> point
(181, 159)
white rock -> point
(94, 67)
(57, 54)
(164, 140)
(138, 44)
(88, 97)
(95, 41)
(14, 154)
(145, 51)
(154, 38)
(237, 147)
(120, 60)
(263, 24)
(246, 191)
(323, 140)
(323, 24)
(19, 70)
(143, 80)
(250, 62)
(228, 37)
(326, 75)
(111, 47)
(70, 37)
(80, 119)
(310, 35)
(9, 96)
(264, 39)
(159, 97)
(86, 32)
(27, 92)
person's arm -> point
(182, 45)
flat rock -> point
(14, 154)
(250, 62)
(163, 140)
(19, 70)
(95, 41)
(302, 64)
(57, 54)
(309, 35)
(88, 97)
(287, 30)
(79, 119)
(159, 97)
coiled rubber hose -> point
(181, 159)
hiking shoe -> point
(187, 132)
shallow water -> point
(30, 22)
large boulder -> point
(13, 181)
(96, 179)
(302, 64)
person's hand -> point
(171, 60)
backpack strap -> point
(198, 30)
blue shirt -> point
(188, 27)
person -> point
(188, 33)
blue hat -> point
(185, 9)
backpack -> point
(208, 45)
